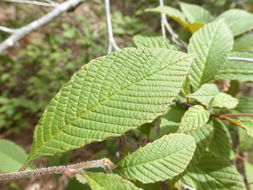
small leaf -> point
(102, 181)
(223, 100)
(245, 141)
(214, 172)
(12, 156)
(205, 94)
(249, 173)
(237, 70)
(195, 13)
(221, 143)
(109, 96)
(211, 43)
(162, 159)
(151, 41)
(195, 117)
(239, 21)
(244, 43)
(245, 105)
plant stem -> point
(68, 170)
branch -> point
(112, 44)
(187, 187)
(7, 30)
(163, 19)
(240, 59)
(32, 2)
(23, 31)
(68, 170)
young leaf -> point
(162, 159)
(239, 21)
(102, 181)
(245, 105)
(237, 70)
(195, 117)
(12, 156)
(151, 41)
(244, 43)
(214, 172)
(110, 96)
(245, 141)
(202, 138)
(195, 13)
(221, 143)
(245, 124)
(205, 93)
(223, 100)
(211, 43)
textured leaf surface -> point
(245, 105)
(249, 173)
(205, 93)
(223, 100)
(151, 41)
(102, 181)
(221, 143)
(215, 173)
(237, 70)
(246, 142)
(195, 117)
(163, 159)
(239, 21)
(244, 43)
(202, 137)
(12, 157)
(110, 96)
(195, 13)
(211, 43)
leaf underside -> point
(110, 96)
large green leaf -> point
(110, 96)
(205, 93)
(249, 173)
(12, 157)
(239, 21)
(102, 181)
(195, 117)
(195, 13)
(211, 43)
(151, 41)
(221, 142)
(223, 100)
(237, 70)
(214, 172)
(244, 43)
(162, 159)
(245, 105)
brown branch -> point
(68, 170)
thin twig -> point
(23, 31)
(32, 2)
(163, 19)
(7, 30)
(68, 170)
(112, 44)
(53, 3)
(240, 59)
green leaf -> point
(211, 43)
(162, 159)
(245, 105)
(237, 70)
(205, 94)
(244, 43)
(214, 172)
(170, 12)
(223, 100)
(247, 125)
(110, 96)
(151, 41)
(195, 13)
(246, 142)
(239, 21)
(102, 181)
(12, 156)
(221, 143)
(249, 173)
(202, 137)
(195, 117)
